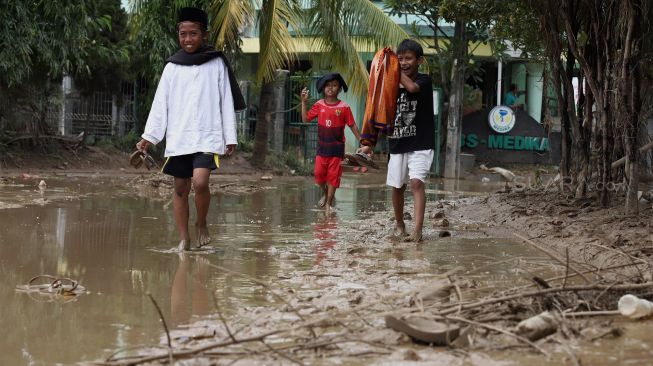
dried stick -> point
(454, 307)
(574, 275)
(631, 257)
(591, 313)
(194, 351)
(552, 255)
(165, 326)
(496, 329)
(490, 265)
(125, 349)
(222, 319)
(596, 299)
(289, 358)
(460, 297)
(564, 282)
(267, 287)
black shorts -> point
(182, 166)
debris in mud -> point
(507, 175)
(634, 307)
(289, 256)
(441, 223)
(329, 312)
(538, 326)
(51, 288)
(436, 215)
(437, 290)
(160, 186)
(424, 329)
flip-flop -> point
(350, 159)
(135, 159)
(365, 160)
(138, 158)
(424, 329)
(53, 286)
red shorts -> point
(328, 170)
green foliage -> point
(126, 143)
(518, 23)
(303, 79)
(489, 22)
(245, 144)
(333, 22)
(108, 62)
(336, 22)
(42, 38)
(289, 160)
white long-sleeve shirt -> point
(194, 109)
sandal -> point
(365, 160)
(350, 159)
(137, 158)
(424, 329)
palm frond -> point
(346, 27)
(277, 47)
(369, 22)
(228, 18)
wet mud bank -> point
(590, 234)
(356, 295)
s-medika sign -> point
(502, 119)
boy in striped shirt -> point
(332, 116)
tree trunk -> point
(445, 80)
(584, 174)
(263, 119)
(454, 120)
(606, 152)
(556, 74)
(631, 97)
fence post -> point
(115, 117)
(65, 123)
(437, 113)
(276, 128)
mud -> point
(592, 234)
(359, 269)
(280, 263)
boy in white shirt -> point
(193, 109)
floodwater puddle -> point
(94, 230)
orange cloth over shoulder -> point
(381, 104)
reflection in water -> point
(323, 230)
(195, 269)
(102, 239)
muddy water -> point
(93, 229)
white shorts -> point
(410, 165)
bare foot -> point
(414, 237)
(329, 209)
(203, 236)
(400, 231)
(322, 200)
(184, 245)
